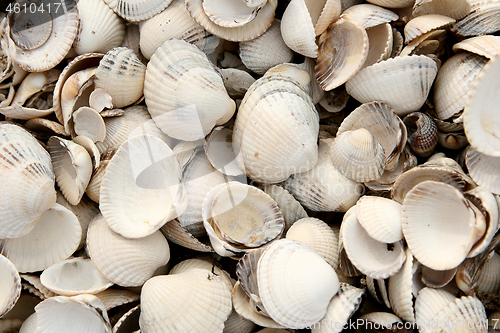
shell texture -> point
(137, 10)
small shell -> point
(175, 233)
(456, 9)
(486, 46)
(437, 279)
(137, 10)
(10, 286)
(126, 262)
(219, 151)
(422, 133)
(403, 83)
(358, 155)
(100, 99)
(370, 15)
(483, 169)
(74, 276)
(100, 28)
(481, 20)
(231, 14)
(380, 40)
(481, 124)
(381, 218)
(112, 298)
(343, 50)
(93, 190)
(163, 302)
(424, 24)
(88, 122)
(236, 81)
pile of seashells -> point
(249, 166)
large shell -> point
(184, 94)
(481, 121)
(141, 188)
(137, 10)
(481, 20)
(424, 24)
(121, 65)
(486, 46)
(381, 218)
(403, 83)
(10, 286)
(100, 28)
(163, 302)
(126, 262)
(371, 15)
(27, 181)
(295, 283)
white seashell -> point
(342, 51)
(482, 19)
(341, 308)
(72, 168)
(48, 40)
(122, 65)
(86, 311)
(486, 46)
(10, 286)
(30, 325)
(100, 28)
(375, 259)
(189, 264)
(219, 151)
(112, 298)
(100, 99)
(88, 122)
(403, 83)
(295, 283)
(324, 188)
(317, 94)
(319, 236)
(230, 13)
(429, 302)
(381, 318)
(27, 181)
(265, 51)
(137, 10)
(446, 212)
(251, 30)
(437, 279)
(380, 40)
(93, 189)
(74, 276)
(33, 83)
(370, 15)
(237, 323)
(456, 9)
(174, 22)
(484, 135)
(126, 262)
(400, 289)
(392, 3)
(134, 182)
(55, 237)
(424, 24)
(91, 148)
(302, 21)
(483, 169)
(35, 287)
(236, 81)
(381, 218)
(163, 302)
(487, 280)
(191, 99)
(175, 233)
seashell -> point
(381, 218)
(455, 9)
(100, 99)
(34, 83)
(400, 289)
(112, 113)
(339, 60)
(219, 151)
(86, 311)
(195, 99)
(437, 279)
(424, 24)
(381, 319)
(232, 14)
(324, 188)
(189, 264)
(455, 78)
(483, 135)
(129, 321)
(74, 276)
(422, 133)
(358, 155)
(403, 83)
(383, 124)
(186, 150)
(93, 189)
(239, 217)
(376, 259)
(452, 213)
(35, 287)
(380, 44)
(27, 181)
(72, 168)
(276, 112)
(90, 147)
(112, 298)
(341, 308)
(55, 237)
(452, 140)
(302, 21)
(292, 297)
(10, 286)
(429, 302)
(126, 262)
(163, 302)
(483, 169)
(237, 323)
(265, 51)
(482, 19)
(88, 122)
(37, 43)
(319, 236)
(77, 64)
(251, 30)
(174, 22)
(370, 15)
(121, 65)
(316, 92)
(486, 46)
(198, 178)
(153, 182)
(392, 3)
(236, 81)
(100, 28)
(175, 233)
(135, 11)
(487, 280)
